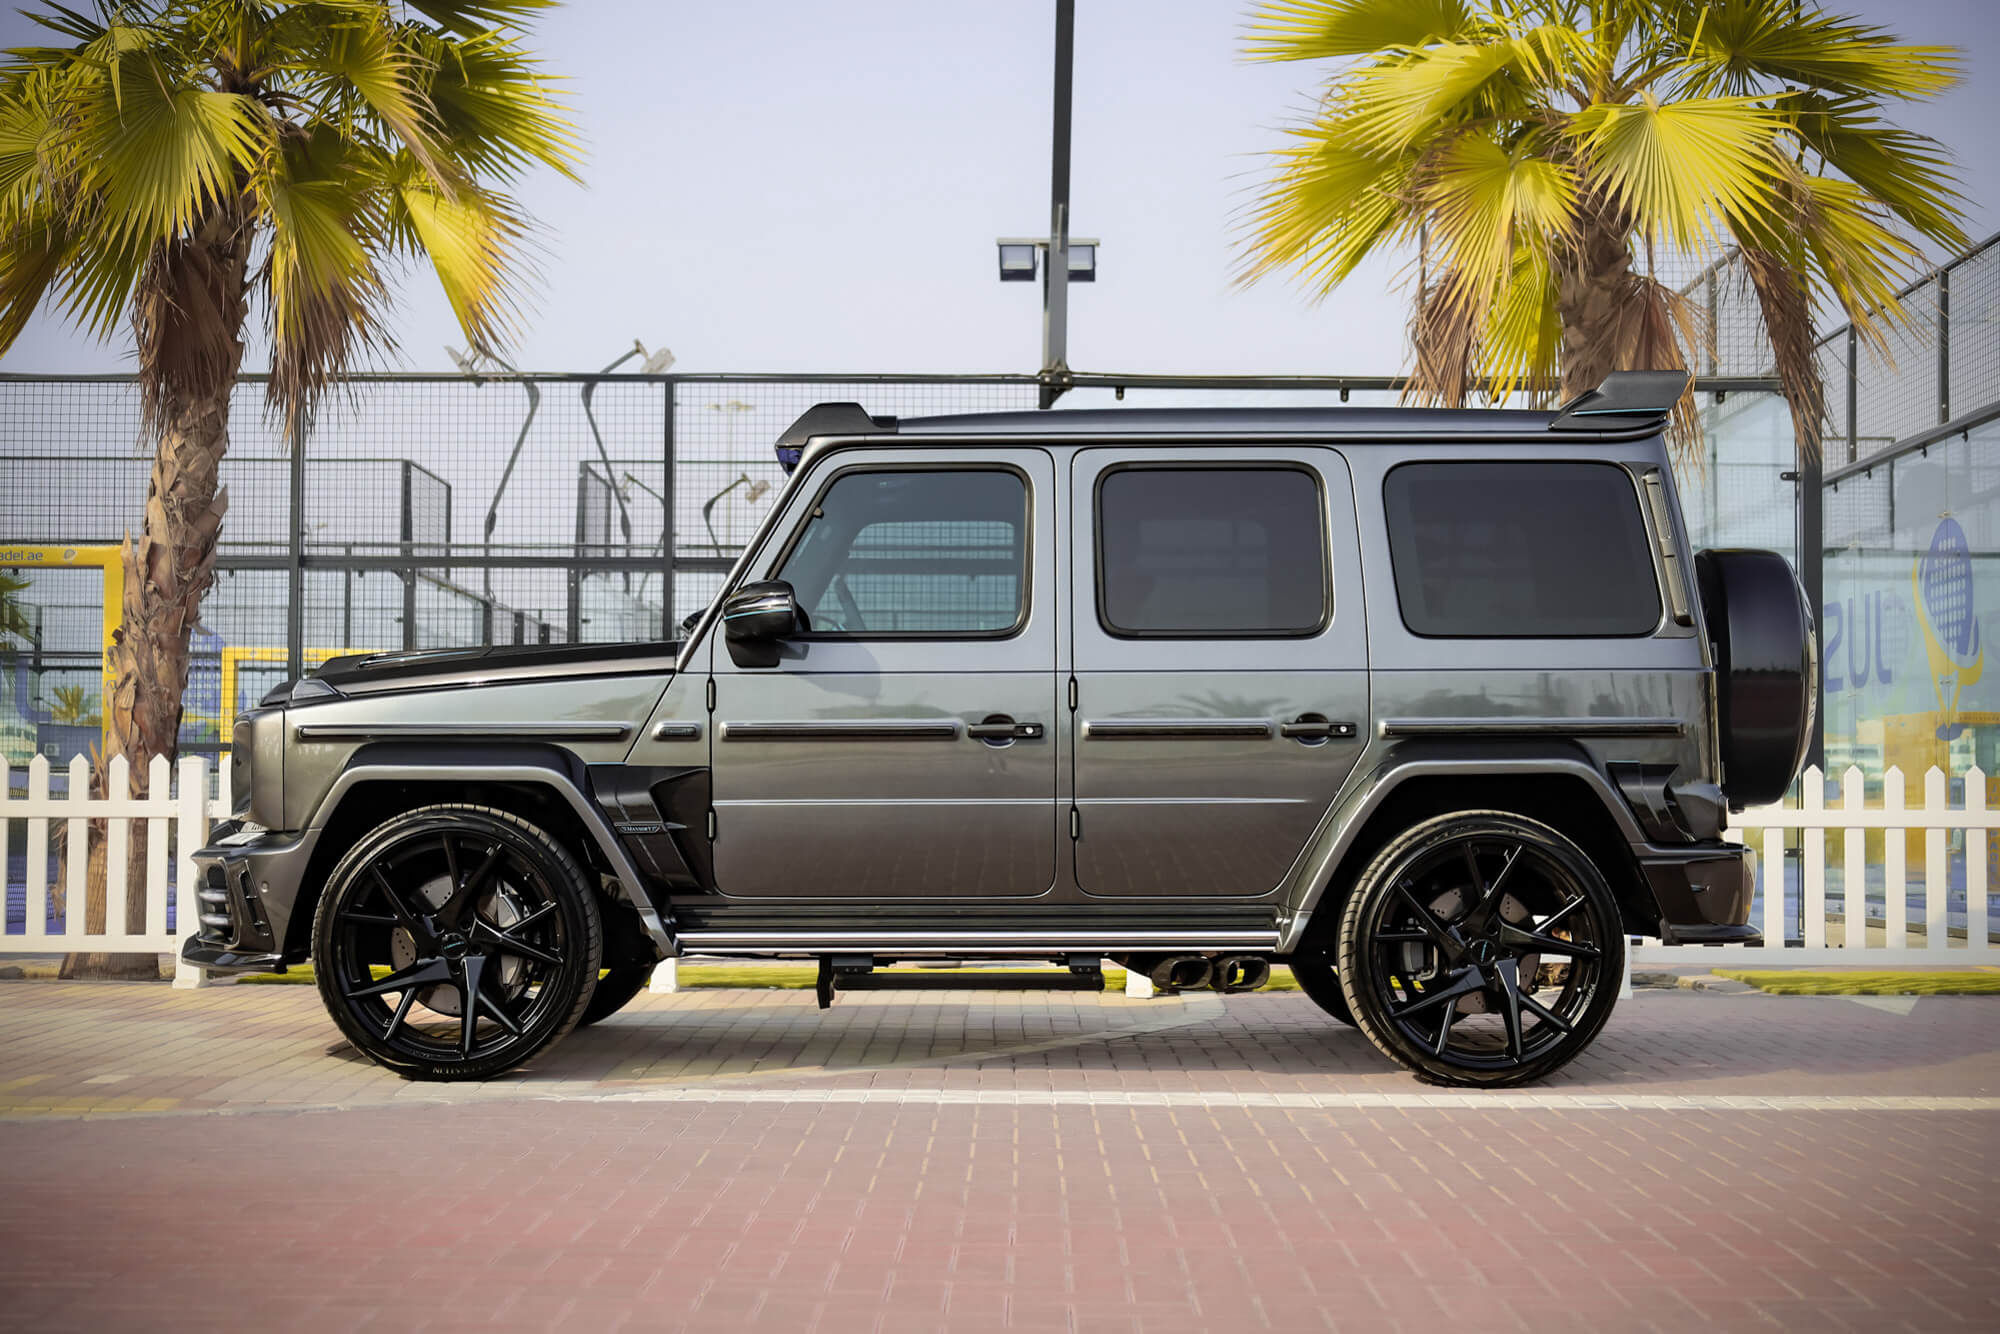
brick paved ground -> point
(942, 1161)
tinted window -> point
(926, 552)
(1520, 550)
(1211, 552)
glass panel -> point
(1195, 552)
(1520, 550)
(915, 552)
(1912, 609)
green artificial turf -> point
(1886, 982)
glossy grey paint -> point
(953, 820)
(476, 770)
(675, 734)
(613, 705)
(1378, 778)
(856, 748)
(1192, 815)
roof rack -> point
(828, 419)
(1626, 400)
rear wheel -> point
(1481, 949)
(456, 942)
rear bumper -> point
(246, 881)
(1703, 892)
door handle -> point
(1311, 727)
(1000, 728)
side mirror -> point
(755, 617)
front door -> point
(901, 749)
(1220, 656)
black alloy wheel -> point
(1481, 949)
(1317, 978)
(456, 942)
(616, 986)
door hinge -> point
(711, 824)
(1072, 694)
(1075, 824)
(711, 694)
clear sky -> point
(789, 185)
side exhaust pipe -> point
(1181, 972)
(1240, 972)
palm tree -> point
(190, 165)
(14, 622)
(1533, 150)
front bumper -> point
(246, 881)
(1704, 893)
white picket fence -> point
(1764, 828)
(182, 804)
(179, 806)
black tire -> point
(473, 909)
(1766, 653)
(1318, 980)
(1447, 924)
(616, 987)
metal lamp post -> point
(1068, 260)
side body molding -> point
(537, 766)
(1400, 764)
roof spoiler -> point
(828, 419)
(1627, 400)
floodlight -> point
(1017, 261)
(1083, 261)
(655, 362)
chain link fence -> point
(433, 511)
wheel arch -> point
(544, 785)
(1560, 787)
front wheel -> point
(456, 942)
(615, 990)
(1481, 949)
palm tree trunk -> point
(1593, 283)
(190, 315)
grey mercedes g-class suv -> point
(1435, 707)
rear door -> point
(1220, 660)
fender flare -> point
(539, 766)
(1417, 760)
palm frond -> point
(1396, 101)
(163, 153)
(1444, 334)
(473, 18)
(470, 240)
(1786, 305)
(1680, 168)
(1487, 202)
(496, 112)
(362, 57)
(1329, 204)
(1319, 29)
(1520, 348)
(321, 283)
(1739, 47)
(1907, 173)
(1863, 263)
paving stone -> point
(945, 1161)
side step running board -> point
(967, 944)
(851, 972)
